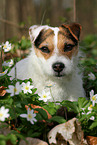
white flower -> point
(89, 112)
(50, 85)
(45, 96)
(30, 116)
(90, 108)
(7, 46)
(14, 90)
(3, 113)
(8, 63)
(83, 111)
(91, 76)
(93, 97)
(3, 73)
(92, 118)
(0, 47)
(26, 87)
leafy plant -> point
(23, 104)
(8, 138)
(88, 62)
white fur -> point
(67, 87)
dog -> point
(53, 60)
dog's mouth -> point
(59, 74)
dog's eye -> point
(45, 49)
(68, 47)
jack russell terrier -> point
(53, 60)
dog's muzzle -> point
(58, 68)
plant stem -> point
(14, 111)
(1, 61)
(14, 94)
(44, 134)
(52, 95)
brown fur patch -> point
(74, 29)
(63, 39)
(47, 40)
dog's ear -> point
(35, 30)
(74, 29)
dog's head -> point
(56, 48)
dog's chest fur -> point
(53, 61)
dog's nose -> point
(58, 67)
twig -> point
(74, 9)
(14, 24)
(43, 17)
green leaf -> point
(2, 137)
(71, 105)
(51, 104)
(51, 110)
(42, 113)
(12, 138)
(39, 117)
(36, 134)
(82, 102)
(2, 142)
(58, 119)
(94, 124)
(82, 118)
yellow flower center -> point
(90, 107)
(94, 98)
(49, 85)
(29, 116)
(7, 48)
(15, 89)
(4, 46)
(3, 72)
(44, 96)
(1, 114)
(26, 88)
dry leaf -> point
(2, 91)
(35, 106)
(92, 140)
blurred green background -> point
(16, 16)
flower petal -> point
(23, 115)
(91, 93)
